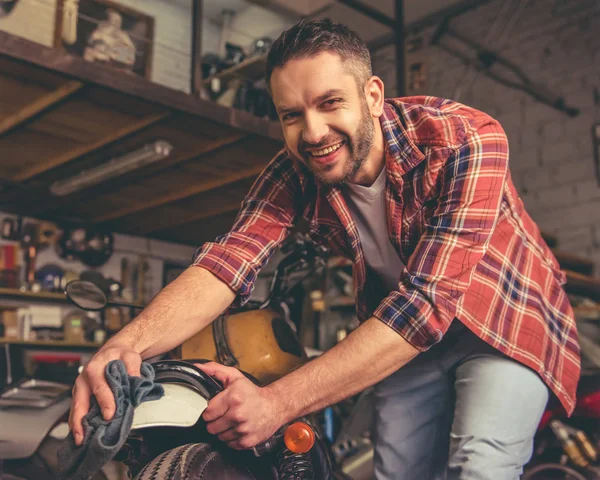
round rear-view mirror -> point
(86, 295)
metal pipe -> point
(400, 49)
(197, 46)
(428, 21)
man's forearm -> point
(184, 307)
(368, 355)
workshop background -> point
(126, 145)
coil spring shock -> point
(294, 466)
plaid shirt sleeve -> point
(263, 222)
(454, 240)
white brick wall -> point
(552, 160)
(34, 20)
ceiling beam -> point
(197, 233)
(181, 194)
(35, 207)
(113, 136)
(40, 105)
(425, 22)
(165, 223)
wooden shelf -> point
(196, 191)
(8, 295)
(252, 68)
(48, 343)
(583, 285)
(16, 293)
(56, 60)
(54, 297)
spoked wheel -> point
(552, 471)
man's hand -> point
(243, 414)
(92, 382)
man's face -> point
(325, 116)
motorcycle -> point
(168, 438)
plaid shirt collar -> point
(402, 155)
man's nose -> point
(315, 129)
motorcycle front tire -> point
(193, 461)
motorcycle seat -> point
(187, 392)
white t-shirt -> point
(368, 208)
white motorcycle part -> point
(180, 406)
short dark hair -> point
(312, 37)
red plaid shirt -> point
(471, 250)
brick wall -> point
(551, 154)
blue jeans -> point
(461, 410)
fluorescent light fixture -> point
(146, 155)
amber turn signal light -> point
(299, 437)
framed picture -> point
(103, 32)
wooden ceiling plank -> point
(96, 194)
(42, 167)
(40, 105)
(179, 195)
(212, 212)
(196, 233)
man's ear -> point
(374, 92)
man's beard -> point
(359, 146)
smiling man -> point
(466, 330)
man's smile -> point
(327, 155)
(324, 151)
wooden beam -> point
(57, 60)
(196, 233)
(181, 194)
(578, 284)
(36, 208)
(211, 212)
(82, 150)
(574, 263)
(40, 105)
(166, 223)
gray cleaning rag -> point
(103, 439)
